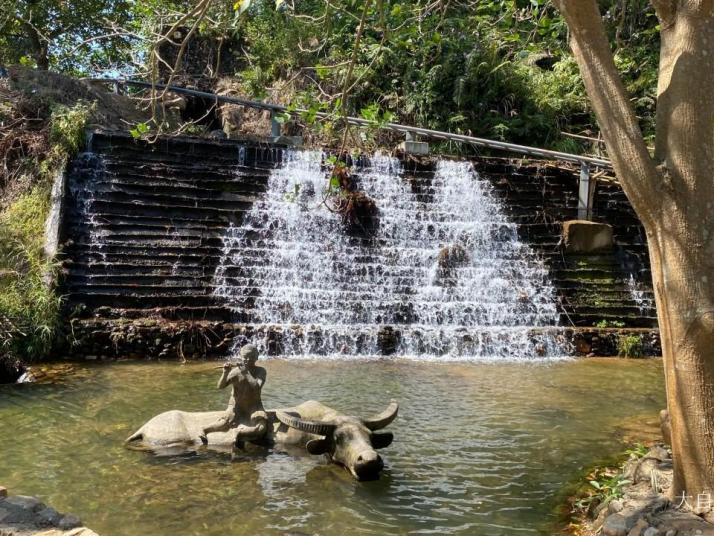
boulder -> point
(24, 502)
(639, 529)
(581, 236)
(616, 525)
(48, 517)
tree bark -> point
(40, 48)
(673, 194)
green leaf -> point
(139, 130)
(282, 117)
(371, 112)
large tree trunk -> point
(674, 196)
(681, 273)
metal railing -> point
(586, 187)
(358, 121)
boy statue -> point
(245, 410)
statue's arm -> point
(260, 376)
(256, 379)
(223, 380)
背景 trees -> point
(673, 193)
(69, 36)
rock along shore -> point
(642, 507)
(21, 515)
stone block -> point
(414, 147)
(581, 236)
(292, 141)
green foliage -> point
(637, 451)
(630, 346)
(29, 307)
(608, 485)
(499, 69)
(496, 68)
(68, 126)
(72, 36)
(139, 130)
(602, 324)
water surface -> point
(479, 448)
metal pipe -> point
(425, 132)
(584, 204)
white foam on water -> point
(292, 267)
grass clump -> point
(29, 305)
(606, 484)
(630, 346)
(68, 126)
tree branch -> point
(666, 11)
(610, 101)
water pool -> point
(479, 448)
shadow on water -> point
(478, 449)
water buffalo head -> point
(348, 441)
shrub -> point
(29, 307)
(630, 346)
(68, 124)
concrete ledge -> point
(414, 147)
(56, 215)
(153, 338)
(581, 236)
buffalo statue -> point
(346, 440)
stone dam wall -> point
(141, 236)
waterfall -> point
(445, 275)
(639, 295)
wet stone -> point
(48, 516)
(70, 521)
(30, 504)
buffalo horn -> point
(311, 427)
(377, 422)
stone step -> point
(186, 189)
(205, 189)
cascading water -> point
(444, 276)
(85, 196)
(639, 295)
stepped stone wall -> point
(142, 235)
